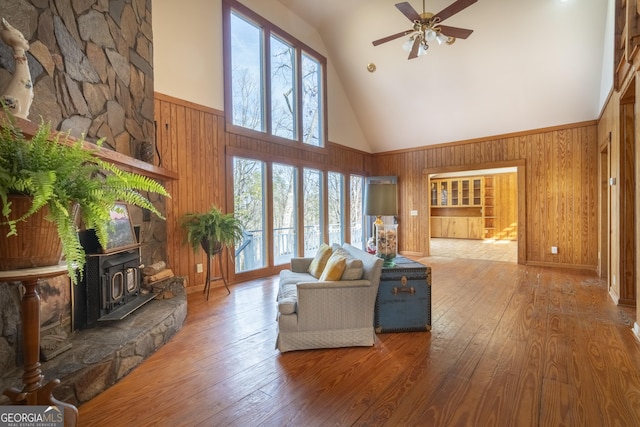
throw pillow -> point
(334, 268)
(320, 260)
(354, 268)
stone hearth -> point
(101, 356)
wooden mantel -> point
(123, 161)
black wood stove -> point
(110, 288)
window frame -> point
(268, 29)
(341, 199)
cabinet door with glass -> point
(440, 193)
(456, 192)
(477, 191)
(470, 192)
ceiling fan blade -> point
(454, 8)
(414, 48)
(459, 33)
(408, 11)
(391, 37)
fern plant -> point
(63, 175)
(211, 230)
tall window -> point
(357, 213)
(247, 83)
(249, 206)
(311, 101)
(313, 230)
(289, 99)
(283, 94)
(335, 206)
(285, 218)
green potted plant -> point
(59, 183)
(211, 230)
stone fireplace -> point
(91, 65)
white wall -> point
(608, 54)
(187, 45)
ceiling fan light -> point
(422, 50)
(430, 35)
(441, 38)
(408, 44)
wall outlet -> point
(554, 250)
(199, 268)
(614, 280)
(413, 213)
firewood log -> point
(154, 268)
(164, 274)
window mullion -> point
(298, 75)
(266, 60)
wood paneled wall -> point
(189, 143)
(505, 202)
(559, 189)
(192, 140)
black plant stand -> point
(210, 279)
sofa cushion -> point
(288, 277)
(288, 299)
(334, 268)
(320, 260)
(354, 267)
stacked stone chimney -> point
(91, 66)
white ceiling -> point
(529, 64)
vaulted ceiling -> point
(528, 64)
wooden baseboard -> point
(614, 297)
(627, 302)
(581, 267)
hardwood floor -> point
(510, 346)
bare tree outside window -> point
(246, 66)
(335, 206)
(356, 216)
(283, 102)
(312, 190)
(249, 207)
(293, 108)
(285, 218)
(311, 105)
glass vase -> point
(387, 243)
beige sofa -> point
(314, 314)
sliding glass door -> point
(288, 211)
(313, 230)
(250, 208)
(285, 213)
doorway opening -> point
(476, 213)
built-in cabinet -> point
(457, 227)
(477, 207)
(456, 208)
(488, 210)
(456, 192)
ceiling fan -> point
(427, 27)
